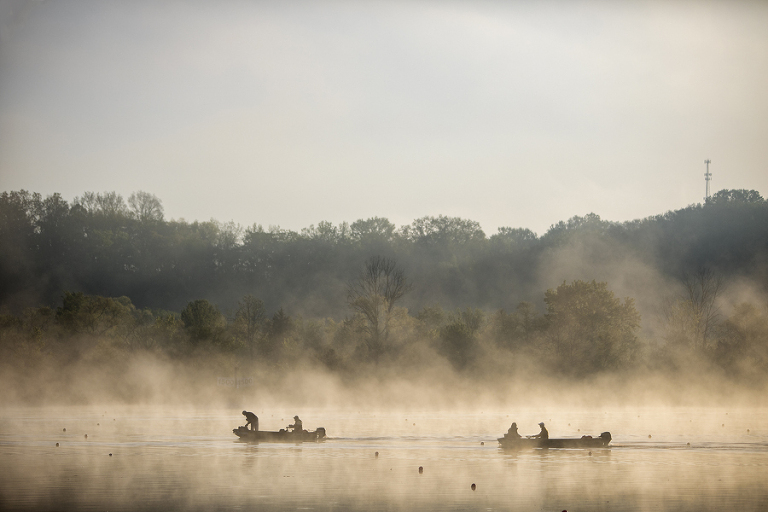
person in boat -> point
(543, 435)
(252, 420)
(512, 433)
(297, 425)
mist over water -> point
(180, 459)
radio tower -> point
(707, 177)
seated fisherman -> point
(252, 420)
(543, 435)
(297, 425)
(512, 432)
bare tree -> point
(701, 290)
(692, 318)
(374, 294)
(145, 207)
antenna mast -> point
(707, 177)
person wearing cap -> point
(297, 425)
(543, 435)
(512, 432)
(251, 419)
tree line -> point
(585, 330)
(102, 275)
(102, 245)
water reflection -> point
(191, 461)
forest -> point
(103, 278)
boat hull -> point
(282, 436)
(583, 442)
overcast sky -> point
(514, 114)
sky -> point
(511, 114)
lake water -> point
(165, 459)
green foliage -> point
(103, 247)
(202, 320)
(94, 315)
(443, 230)
(457, 343)
(589, 329)
(249, 323)
(518, 330)
(373, 230)
(742, 343)
(736, 196)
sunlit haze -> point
(515, 114)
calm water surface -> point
(165, 459)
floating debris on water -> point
(473, 487)
(421, 469)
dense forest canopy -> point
(589, 296)
(102, 245)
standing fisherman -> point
(252, 420)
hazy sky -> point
(513, 114)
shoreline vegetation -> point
(104, 299)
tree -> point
(742, 343)
(279, 329)
(458, 343)
(249, 320)
(517, 330)
(375, 229)
(444, 230)
(693, 317)
(95, 315)
(374, 295)
(145, 207)
(458, 338)
(590, 329)
(202, 320)
(107, 204)
(513, 238)
(736, 196)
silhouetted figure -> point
(543, 435)
(297, 425)
(512, 432)
(252, 420)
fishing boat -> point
(281, 436)
(574, 442)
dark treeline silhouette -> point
(105, 272)
(101, 245)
